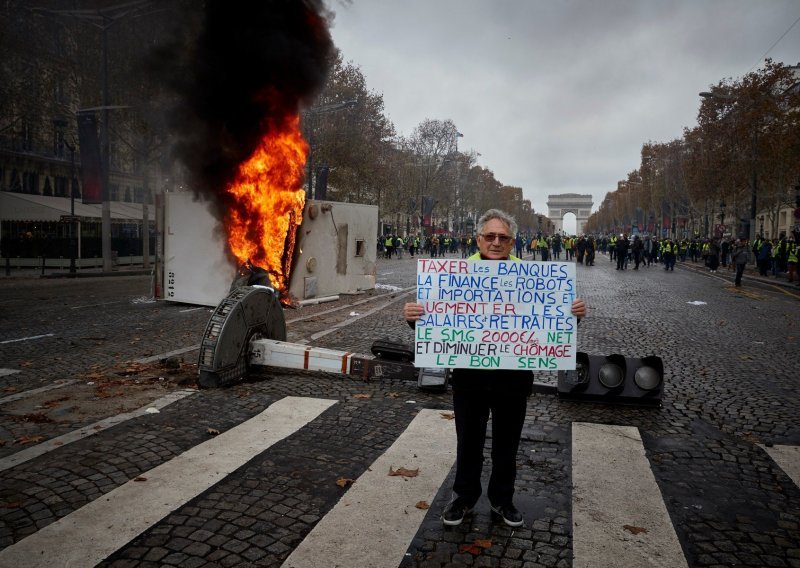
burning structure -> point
(333, 252)
(239, 79)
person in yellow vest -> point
(389, 245)
(544, 248)
(791, 261)
(568, 243)
(669, 250)
(477, 393)
(612, 247)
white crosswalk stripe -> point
(358, 532)
(618, 515)
(787, 458)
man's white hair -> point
(500, 216)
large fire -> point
(268, 200)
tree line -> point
(741, 159)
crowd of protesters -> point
(775, 257)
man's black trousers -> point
(472, 409)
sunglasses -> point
(492, 237)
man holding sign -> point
(493, 322)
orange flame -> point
(268, 200)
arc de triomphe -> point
(560, 205)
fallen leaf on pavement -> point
(422, 505)
(140, 478)
(11, 505)
(633, 529)
(362, 395)
(344, 481)
(212, 431)
(403, 472)
(34, 418)
(55, 402)
(476, 547)
(29, 439)
(447, 415)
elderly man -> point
(479, 392)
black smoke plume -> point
(238, 68)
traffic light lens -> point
(610, 376)
(582, 370)
(647, 378)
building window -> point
(30, 182)
(26, 136)
(61, 187)
(59, 126)
(360, 247)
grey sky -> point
(558, 96)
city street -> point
(110, 457)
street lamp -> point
(761, 232)
(71, 148)
(722, 216)
(311, 113)
(104, 18)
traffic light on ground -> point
(614, 379)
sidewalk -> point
(28, 273)
(750, 273)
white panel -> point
(196, 268)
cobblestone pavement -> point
(731, 390)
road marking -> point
(614, 488)
(160, 356)
(6, 372)
(352, 320)
(89, 535)
(26, 338)
(32, 392)
(787, 458)
(28, 454)
(346, 306)
(192, 309)
(95, 305)
(374, 522)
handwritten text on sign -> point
(496, 314)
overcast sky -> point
(558, 96)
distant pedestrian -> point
(764, 257)
(739, 257)
(713, 256)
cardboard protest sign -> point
(496, 314)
